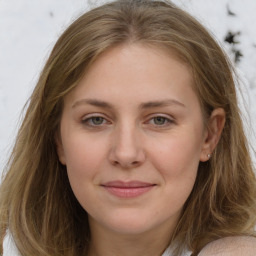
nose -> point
(126, 149)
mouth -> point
(129, 189)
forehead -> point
(142, 72)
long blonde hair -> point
(37, 204)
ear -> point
(60, 149)
(212, 133)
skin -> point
(134, 117)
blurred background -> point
(29, 29)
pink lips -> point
(127, 189)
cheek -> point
(83, 158)
(177, 158)
(177, 162)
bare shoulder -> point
(231, 246)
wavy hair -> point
(37, 204)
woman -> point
(132, 143)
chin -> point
(129, 224)
(130, 227)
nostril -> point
(127, 164)
(115, 163)
(135, 163)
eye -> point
(94, 121)
(160, 121)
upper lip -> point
(127, 184)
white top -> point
(168, 252)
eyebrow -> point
(161, 103)
(146, 105)
(93, 102)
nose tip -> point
(126, 150)
(127, 156)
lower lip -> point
(128, 192)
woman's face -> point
(132, 136)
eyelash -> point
(89, 121)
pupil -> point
(97, 120)
(159, 120)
